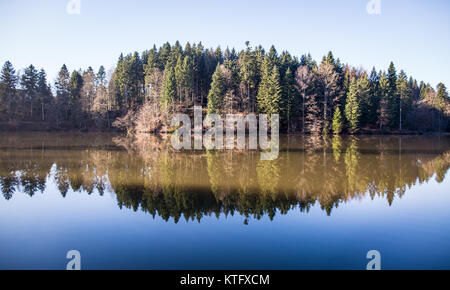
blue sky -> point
(413, 34)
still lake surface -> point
(137, 204)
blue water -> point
(413, 232)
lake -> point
(137, 204)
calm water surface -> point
(136, 204)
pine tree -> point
(441, 102)
(179, 78)
(269, 91)
(383, 110)
(88, 90)
(263, 89)
(62, 86)
(217, 91)
(364, 99)
(44, 92)
(76, 84)
(29, 83)
(249, 75)
(374, 96)
(101, 76)
(352, 108)
(8, 82)
(136, 77)
(274, 96)
(188, 80)
(169, 88)
(289, 102)
(404, 97)
(392, 97)
(337, 122)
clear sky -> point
(413, 34)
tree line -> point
(145, 89)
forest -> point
(143, 91)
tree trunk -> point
(248, 98)
(400, 127)
(303, 116)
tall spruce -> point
(217, 91)
(8, 82)
(169, 88)
(441, 103)
(29, 84)
(62, 85)
(352, 107)
(289, 102)
(44, 93)
(392, 96)
(338, 122)
(269, 91)
(404, 98)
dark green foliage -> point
(44, 94)
(8, 82)
(269, 90)
(393, 101)
(217, 92)
(169, 88)
(352, 106)
(76, 83)
(29, 84)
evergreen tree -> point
(44, 92)
(217, 92)
(179, 77)
(289, 102)
(136, 76)
(188, 80)
(370, 112)
(392, 97)
(338, 122)
(248, 74)
(352, 108)
(29, 83)
(88, 90)
(62, 86)
(76, 84)
(101, 76)
(8, 82)
(404, 97)
(441, 102)
(169, 88)
(364, 99)
(274, 96)
(383, 111)
(269, 91)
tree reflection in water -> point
(145, 174)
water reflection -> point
(145, 174)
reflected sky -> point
(131, 205)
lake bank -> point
(29, 126)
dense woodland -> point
(142, 92)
